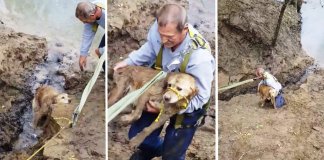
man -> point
(92, 15)
(270, 80)
(169, 41)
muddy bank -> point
(128, 25)
(249, 131)
(245, 33)
(34, 61)
(20, 53)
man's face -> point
(90, 19)
(170, 36)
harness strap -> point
(95, 25)
(197, 42)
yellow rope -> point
(161, 111)
(62, 128)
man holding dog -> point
(92, 15)
(171, 41)
(269, 80)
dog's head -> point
(272, 93)
(180, 86)
(62, 98)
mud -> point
(128, 25)
(51, 63)
(248, 131)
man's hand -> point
(151, 107)
(82, 62)
(121, 64)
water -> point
(312, 35)
(53, 19)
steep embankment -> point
(246, 130)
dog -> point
(42, 104)
(130, 78)
(267, 93)
(181, 88)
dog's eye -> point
(169, 85)
(62, 97)
(179, 89)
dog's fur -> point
(267, 93)
(44, 99)
(129, 79)
(186, 87)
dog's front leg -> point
(273, 101)
(139, 138)
(136, 114)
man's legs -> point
(177, 141)
(103, 44)
(152, 145)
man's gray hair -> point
(172, 13)
(85, 9)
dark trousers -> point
(176, 141)
(103, 44)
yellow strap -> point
(179, 120)
(197, 41)
(158, 61)
(95, 25)
(180, 97)
(161, 112)
(62, 128)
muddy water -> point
(312, 35)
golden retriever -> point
(44, 99)
(267, 93)
(180, 90)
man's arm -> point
(87, 38)
(204, 75)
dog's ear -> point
(165, 84)
(194, 92)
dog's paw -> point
(133, 143)
(126, 120)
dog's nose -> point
(166, 98)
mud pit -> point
(28, 61)
(128, 25)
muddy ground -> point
(128, 24)
(27, 62)
(247, 130)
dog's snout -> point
(166, 98)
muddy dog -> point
(267, 93)
(44, 99)
(129, 79)
(181, 88)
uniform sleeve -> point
(87, 38)
(204, 75)
(146, 54)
